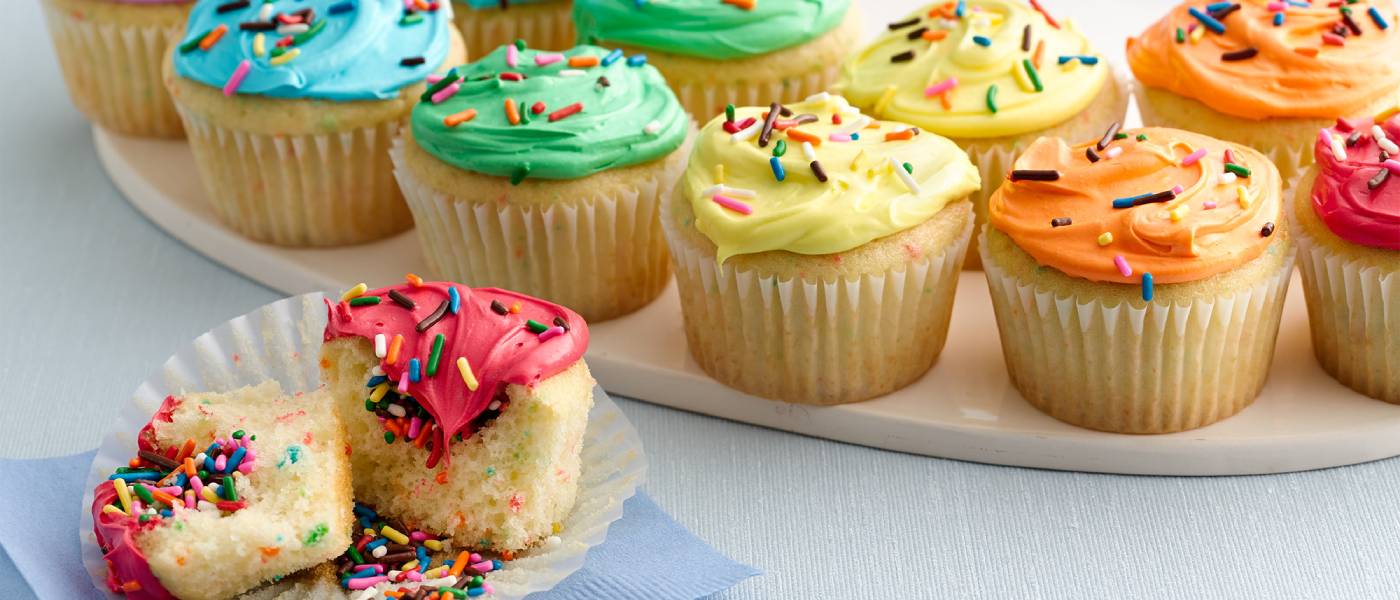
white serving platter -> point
(964, 408)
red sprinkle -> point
(566, 111)
(284, 42)
(1333, 39)
(537, 108)
(512, 76)
(737, 126)
(1040, 9)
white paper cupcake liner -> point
(1156, 368)
(301, 190)
(547, 26)
(113, 72)
(282, 341)
(706, 98)
(601, 256)
(816, 341)
(1354, 315)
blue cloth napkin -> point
(647, 554)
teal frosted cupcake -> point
(486, 24)
(741, 52)
(543, 172)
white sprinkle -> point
(732, 192)
(199, 458)
(494, 405)
(856, 126)
(571, 73)
(397, 410)
(1338, 148)
(265, 13)
(381, 344)
(818, 97)
(904, 175)
(747, 133)
(652, 128)
(365, 594)
(293, 29)
(379, 551)
(1113, 152)
(1383, 141)
(712, 190)
(206, 505)
(552, 540)
(376, 370)
(1227, 178)
(808, 151)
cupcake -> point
(1138, 282)
(1266, 74)
(226, 491)
(741, 52)
(817, 249)
(110, 53)
(465, 408)
(1347, 221)
(486, 24)
(543, 172)
(291, 108)
(992, 75)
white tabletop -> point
(98, 297)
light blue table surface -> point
(96, 297)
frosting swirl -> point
(490, 329)
(345, 50)
(707, 28)
(1350, 195)
(1001, 68)
(1199, 217)
(868, 192)
(1311, 64)
(625, 115)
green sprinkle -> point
(1180, 35)
(305, 36)
(238, 435)
(388, 437)
(314, 536)
(230, 493)
(729, 113)
(193, 43)
(524, 113)
(519, 175)
(1237, 170)
(1033, 75)
(1142, 137)
(143, 518)
(780, 148)
(519, 44)
(411, 18)
(143, 494)
(476, 581)
(370, 405)
(992, 98)
(448, 79)
(277, 51)
(1120, 136)
(908, 168)
(355, 555)
(436, 354)
(364, 300)
(536, 326)
(490, 471)
(456, 593)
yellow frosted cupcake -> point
(291, 106)
(1267, 74)
(1347, 220)
(718, 52)
(110, 52)
(992, 75)
(817, 250)
(1139, 293)
(486, 24)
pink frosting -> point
(1342, 196)
(500, 348)
(128, 572)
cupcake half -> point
(817, 249)
(1267, 74)
(713, 52)
(466, 408)
(291, 107)
(487, 24)
(110, 52)
(1138, 279)
(991, 75)
(1347, 223)
(543, 172)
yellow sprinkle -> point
(719, 172)
(1178, 212)
(884, 101)
(1069, 65)
(379, 391)
(410, 565)
(285, 58)
(467, 376)
(208, 494)
(123, 494)
(1198, 34)
(112, 510)
(556, 527)
(434, 545)
(1243, 194)
(260, 45)
(1022, 79)
(1386, 114)
(354, 292)
(434, 572)
(1105, 238)
(397, 538)
(369, 531)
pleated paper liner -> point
(282, 341)
(113, 73)
(816, 341)
(704, 99)
(547, 25)
(1354, 316)
(1156, 368)
(602, 256)
(326, 189)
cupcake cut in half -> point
(1267, 74)
(291, 107)
(714, 52)
(465, 408)
(992, 75)
(817, 249)
(543, 172)
(487, 24)
(1347, 221)
(227, 491)
(1139, 293)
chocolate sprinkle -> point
(1060, 221)
(231, 6)
(767, 131)
(1244, 54)
(433, 318)
(1026, 38)
(157, 460)
(603, 81)
(1353, 138)
(1379, 179)
(402, 300)
(905, 23)
(1225, 12)
(1091, 155)
(805, 118)
(1035, 175)
(257, 26)
(904, 56)
(1349, 22)
(817, 170)
(560, 322)
(1161, 196)
(916, 34)
(1108, 136)
(784, 111)
(1268, 229)
(412, 61)
(498, 308)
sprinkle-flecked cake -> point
(465, 408)
(226, 491)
